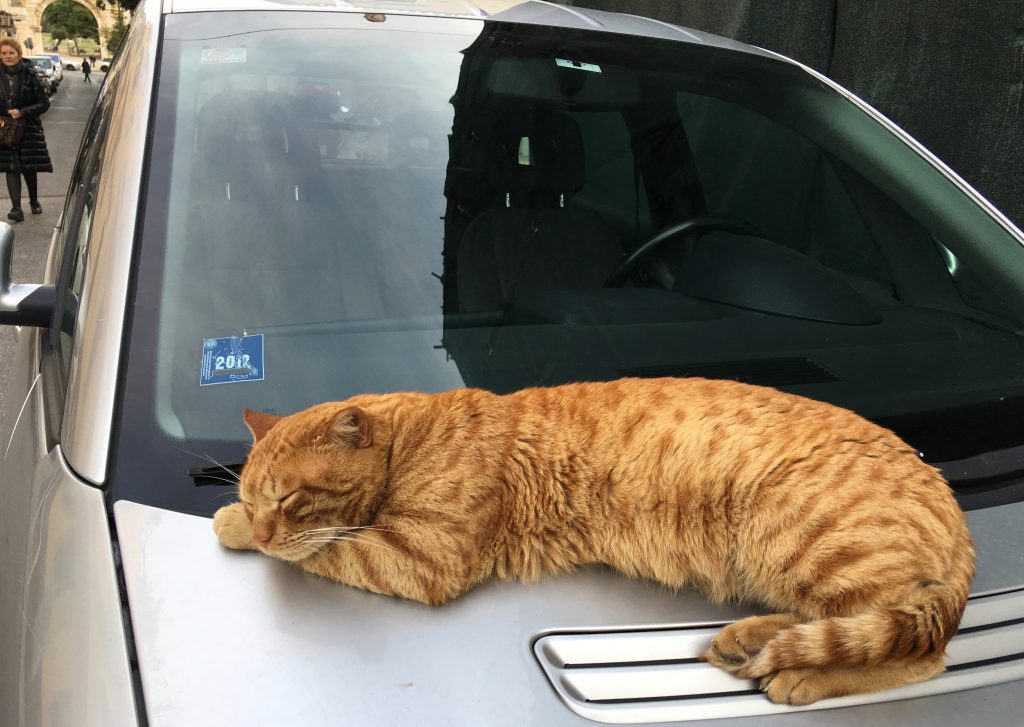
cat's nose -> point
(262, 537)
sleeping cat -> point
(746, 492)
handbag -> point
(11, 131)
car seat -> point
(533, 237)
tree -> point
(67, 20)
(128, 5)
(115, 32)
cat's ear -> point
(352, 426)
(259, 423)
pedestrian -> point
(23, 98)
(86, 70)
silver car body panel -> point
(211, 622)
(535, 12)
(89, 416)
(65, 659)
(440, 8)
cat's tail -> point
(917, 626)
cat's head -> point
(309, 476)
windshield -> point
(338, 206)
(44, 63)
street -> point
(63, 125)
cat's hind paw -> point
(233, 527)
(738, 642)
(797, 687)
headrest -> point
(537, 152)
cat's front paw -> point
(233, 527)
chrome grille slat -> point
(985, 644)
(992, 609)
(639, 675)
(643, 646)
(651, 682)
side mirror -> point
(21, 305)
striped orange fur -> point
(749, 493)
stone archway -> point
(30, 26)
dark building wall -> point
(950, 72)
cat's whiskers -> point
(318, 546)
(233, 483)
(222, 495)
(332, 529)
(349, 529)
(378, 528)
(235, 477)
(326, 540)
(356, 540)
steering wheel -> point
(695, 226)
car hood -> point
(238, 638)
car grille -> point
(640, 675)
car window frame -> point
(72, 256)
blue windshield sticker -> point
(232, 360)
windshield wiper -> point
(218, 475)
(996, 466)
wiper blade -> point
(217, 475)
(990, 467)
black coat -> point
(28, 96)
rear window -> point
(338, 206)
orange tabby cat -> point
(746, 492)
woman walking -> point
(24, 101)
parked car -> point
(427, 195)
(58, 66)
(72, 64)
(45, 64)
(45, 80)
(105, 64)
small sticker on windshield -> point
(578, 65)
(222, 55)
(232, 360)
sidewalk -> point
(63, 125)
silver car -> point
(51, 70)
(281, 203)
(58, 66)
